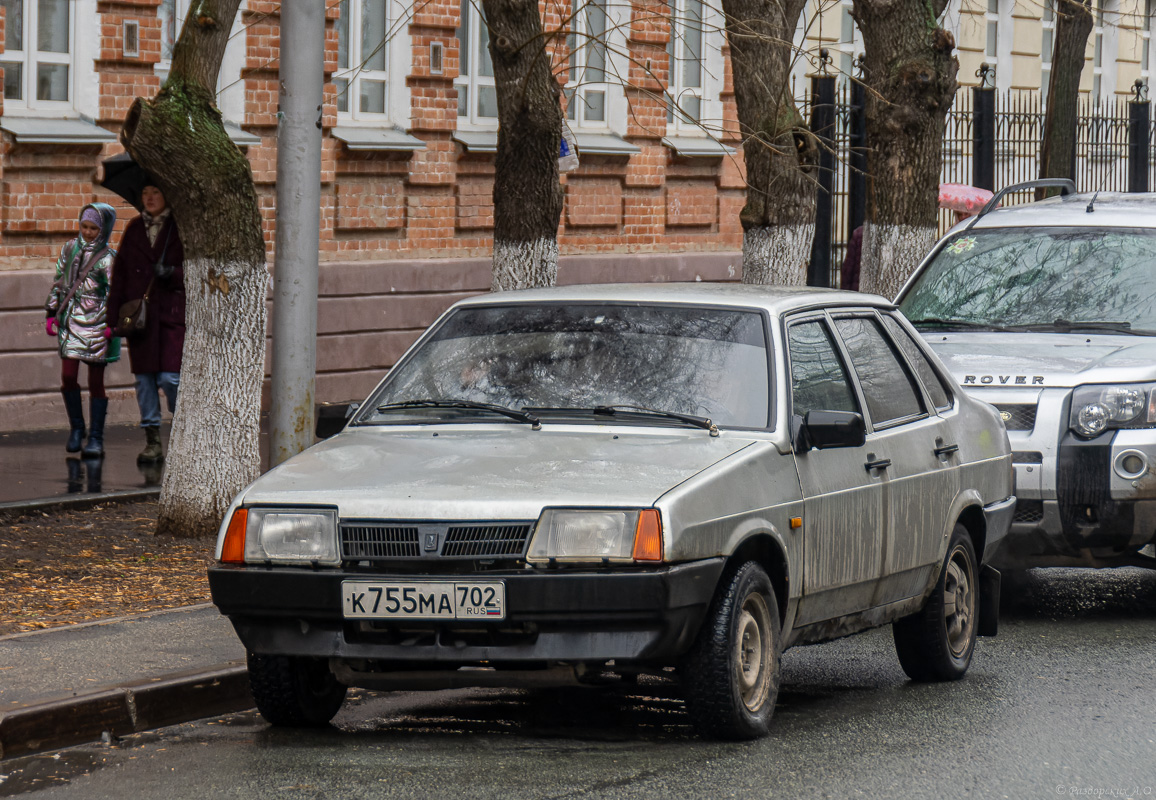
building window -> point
(172, 15)
(684, 107)
(477, 97)
(991, 46)
(586, 90)
(38, 49)
(850, 40)
(362, 55)
(1047, 44)
(1146, 43)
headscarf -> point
(104, 216)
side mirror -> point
(331, 418)
(823, 429)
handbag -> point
(133, 314)
(132, 317)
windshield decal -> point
(961, 245)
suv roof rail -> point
(1065, 185)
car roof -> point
(773, 299)
(1110, 209)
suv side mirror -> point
(331, 418)
(823, 429)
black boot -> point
(98, 408)
(152, 452)
(75, 408)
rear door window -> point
(889, 390)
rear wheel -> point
(936, 643)
(730, 677)
(294, 692)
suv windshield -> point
(1042, 278)
(572, 359)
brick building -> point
(410, 134)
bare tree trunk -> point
(910, 75)
(1058, 153)
(779, 216)
(178, 137)
(527, 193)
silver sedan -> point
(594, 483)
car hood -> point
(489, 472)
(1043, 360)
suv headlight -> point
(1096, 409)
(282, 536)
(597, 536)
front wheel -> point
(730, 677)
(294, 692)
(936, 643)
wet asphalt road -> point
(1061, 704)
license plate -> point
(424, 600)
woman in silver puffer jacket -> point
(78, 316)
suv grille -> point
(390, 541)
(1017, 416)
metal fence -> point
(1102, 150)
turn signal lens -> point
(233, 550)
(648, 536)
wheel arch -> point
(971, 517)
(764, 548)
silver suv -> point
(1048, 312)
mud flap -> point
(989, 578)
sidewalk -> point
(75, 683)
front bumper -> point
(551, 616)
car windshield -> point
(1041, 278)
(568, 360)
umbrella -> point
(967, 200)
(125, 177)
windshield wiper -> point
(689, 419)
(959, 323)
(520, 416)
(1066, 326)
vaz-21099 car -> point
(595, 482)
(1048, 311)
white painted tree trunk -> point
(213, 448)
(777, 254)
(524, 265)
(890, 254)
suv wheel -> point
(294, 692)
(730, 677)
(936, 643)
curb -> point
(17, 508)
(125, 708)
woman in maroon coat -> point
(150, 259)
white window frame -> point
(999, 34)
(1145, 33)
(710, 74)
(586, 85)
(350, 77)
(29, 58)
(1047, 45)
(1105, 36)
(179, 9)
(847, 46)
(471, 83)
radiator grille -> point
(485, 540)
(1017, 416)
(369, 542)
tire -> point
(730, 677)
(936, 643)
(294, 692)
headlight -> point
(597, 536)
(283, 536)
(1096, 409)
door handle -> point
(881, 463)
(946, 450)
